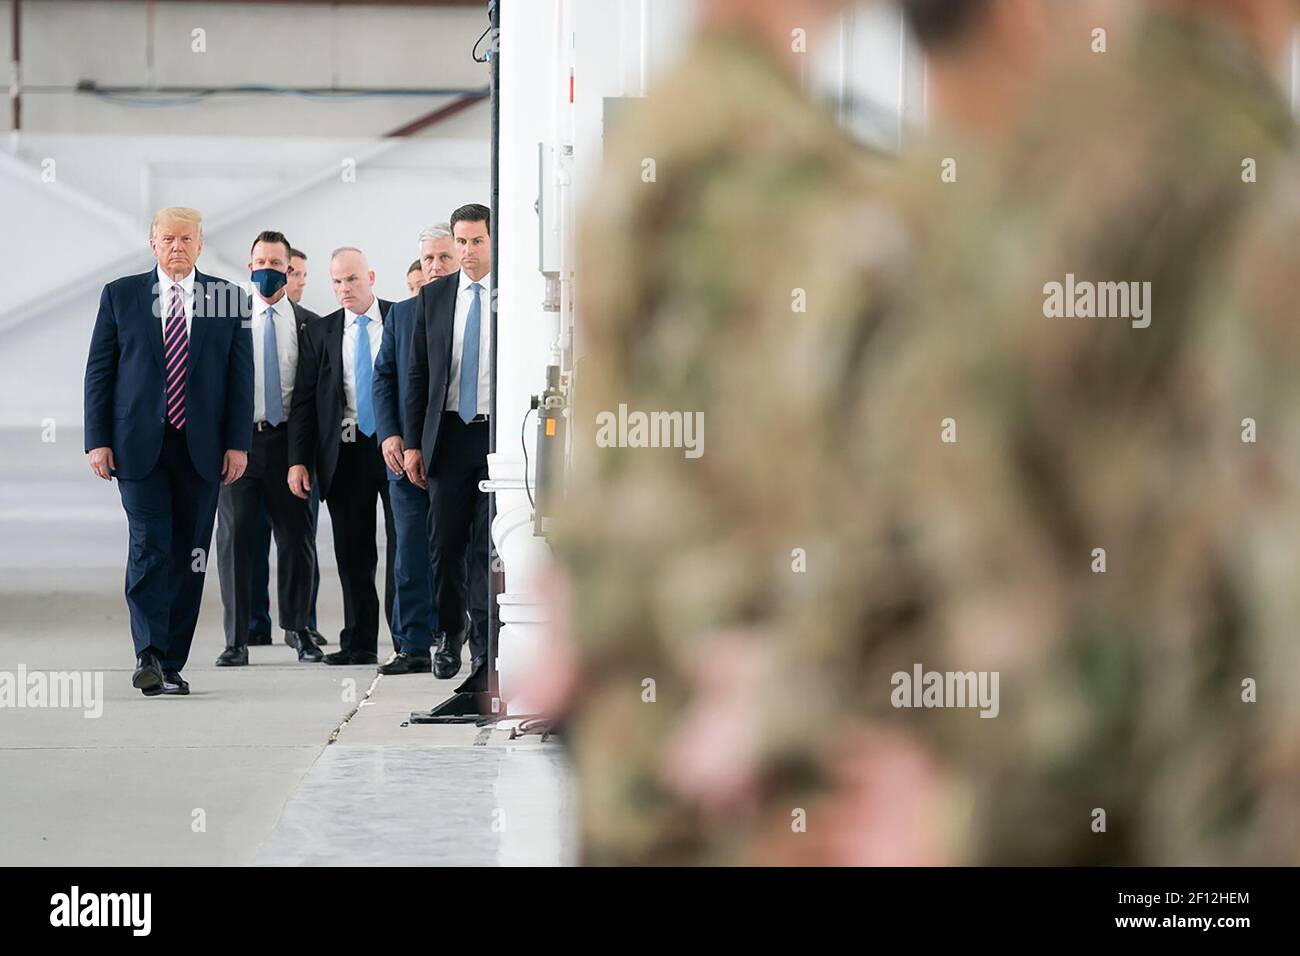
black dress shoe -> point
(351, 657)
(317, 636)
(446, 660)
(406, 664)
(302, 642)
(259, 638)
(477, 662)
(174, 683)
(233, 657)
(148, 673)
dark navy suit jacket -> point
(391, 373)
(126, 376)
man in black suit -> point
(447, 436)
(332, 437)
(169, 413)
(277, 325)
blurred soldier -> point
(1049, 483)
(690, 315)
(1054, 475)
(950, 466)
(1060, 501)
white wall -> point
(74, 234)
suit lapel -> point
(205, 310)
(334, 352)
(445, 313)
(152, 310)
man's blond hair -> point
(176, 214)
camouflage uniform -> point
(1120, 691)
(690, 295)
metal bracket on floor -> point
(470, 703)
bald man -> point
(332, 446)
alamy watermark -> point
(636, 429)
(922, 688)
(76, 690)
(74, 909)
(1100, 300)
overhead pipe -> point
(15, 64)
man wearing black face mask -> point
(276, 323)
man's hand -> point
(393, 448)
(101, 462)
(233, 465)
(415, 468)
(299, 481)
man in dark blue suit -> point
(414, 617)
(169, 413)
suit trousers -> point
(259, 619)
(458, 529)
(169, 515)
(414, 618)
(359, 478)
(264, 490)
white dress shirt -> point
(286, 345)
(165, 298)
(375, 334)
(463, 299)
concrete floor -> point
(243, 770)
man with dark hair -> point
(297, 274)
(333, 447)
(277, 325)
(259, 626)
(446, 436)
(415, 277)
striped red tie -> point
(176, 346)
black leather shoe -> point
(259, 638)
(446, 659)
(477, 662)
(406, 664)
(148, 674)
(233, 657)
(302, 642)
(174, 683)
(317, 636)
(351, 657)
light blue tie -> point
(468, 398)
(365, 376)
(271, 374)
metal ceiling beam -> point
(337, 3)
